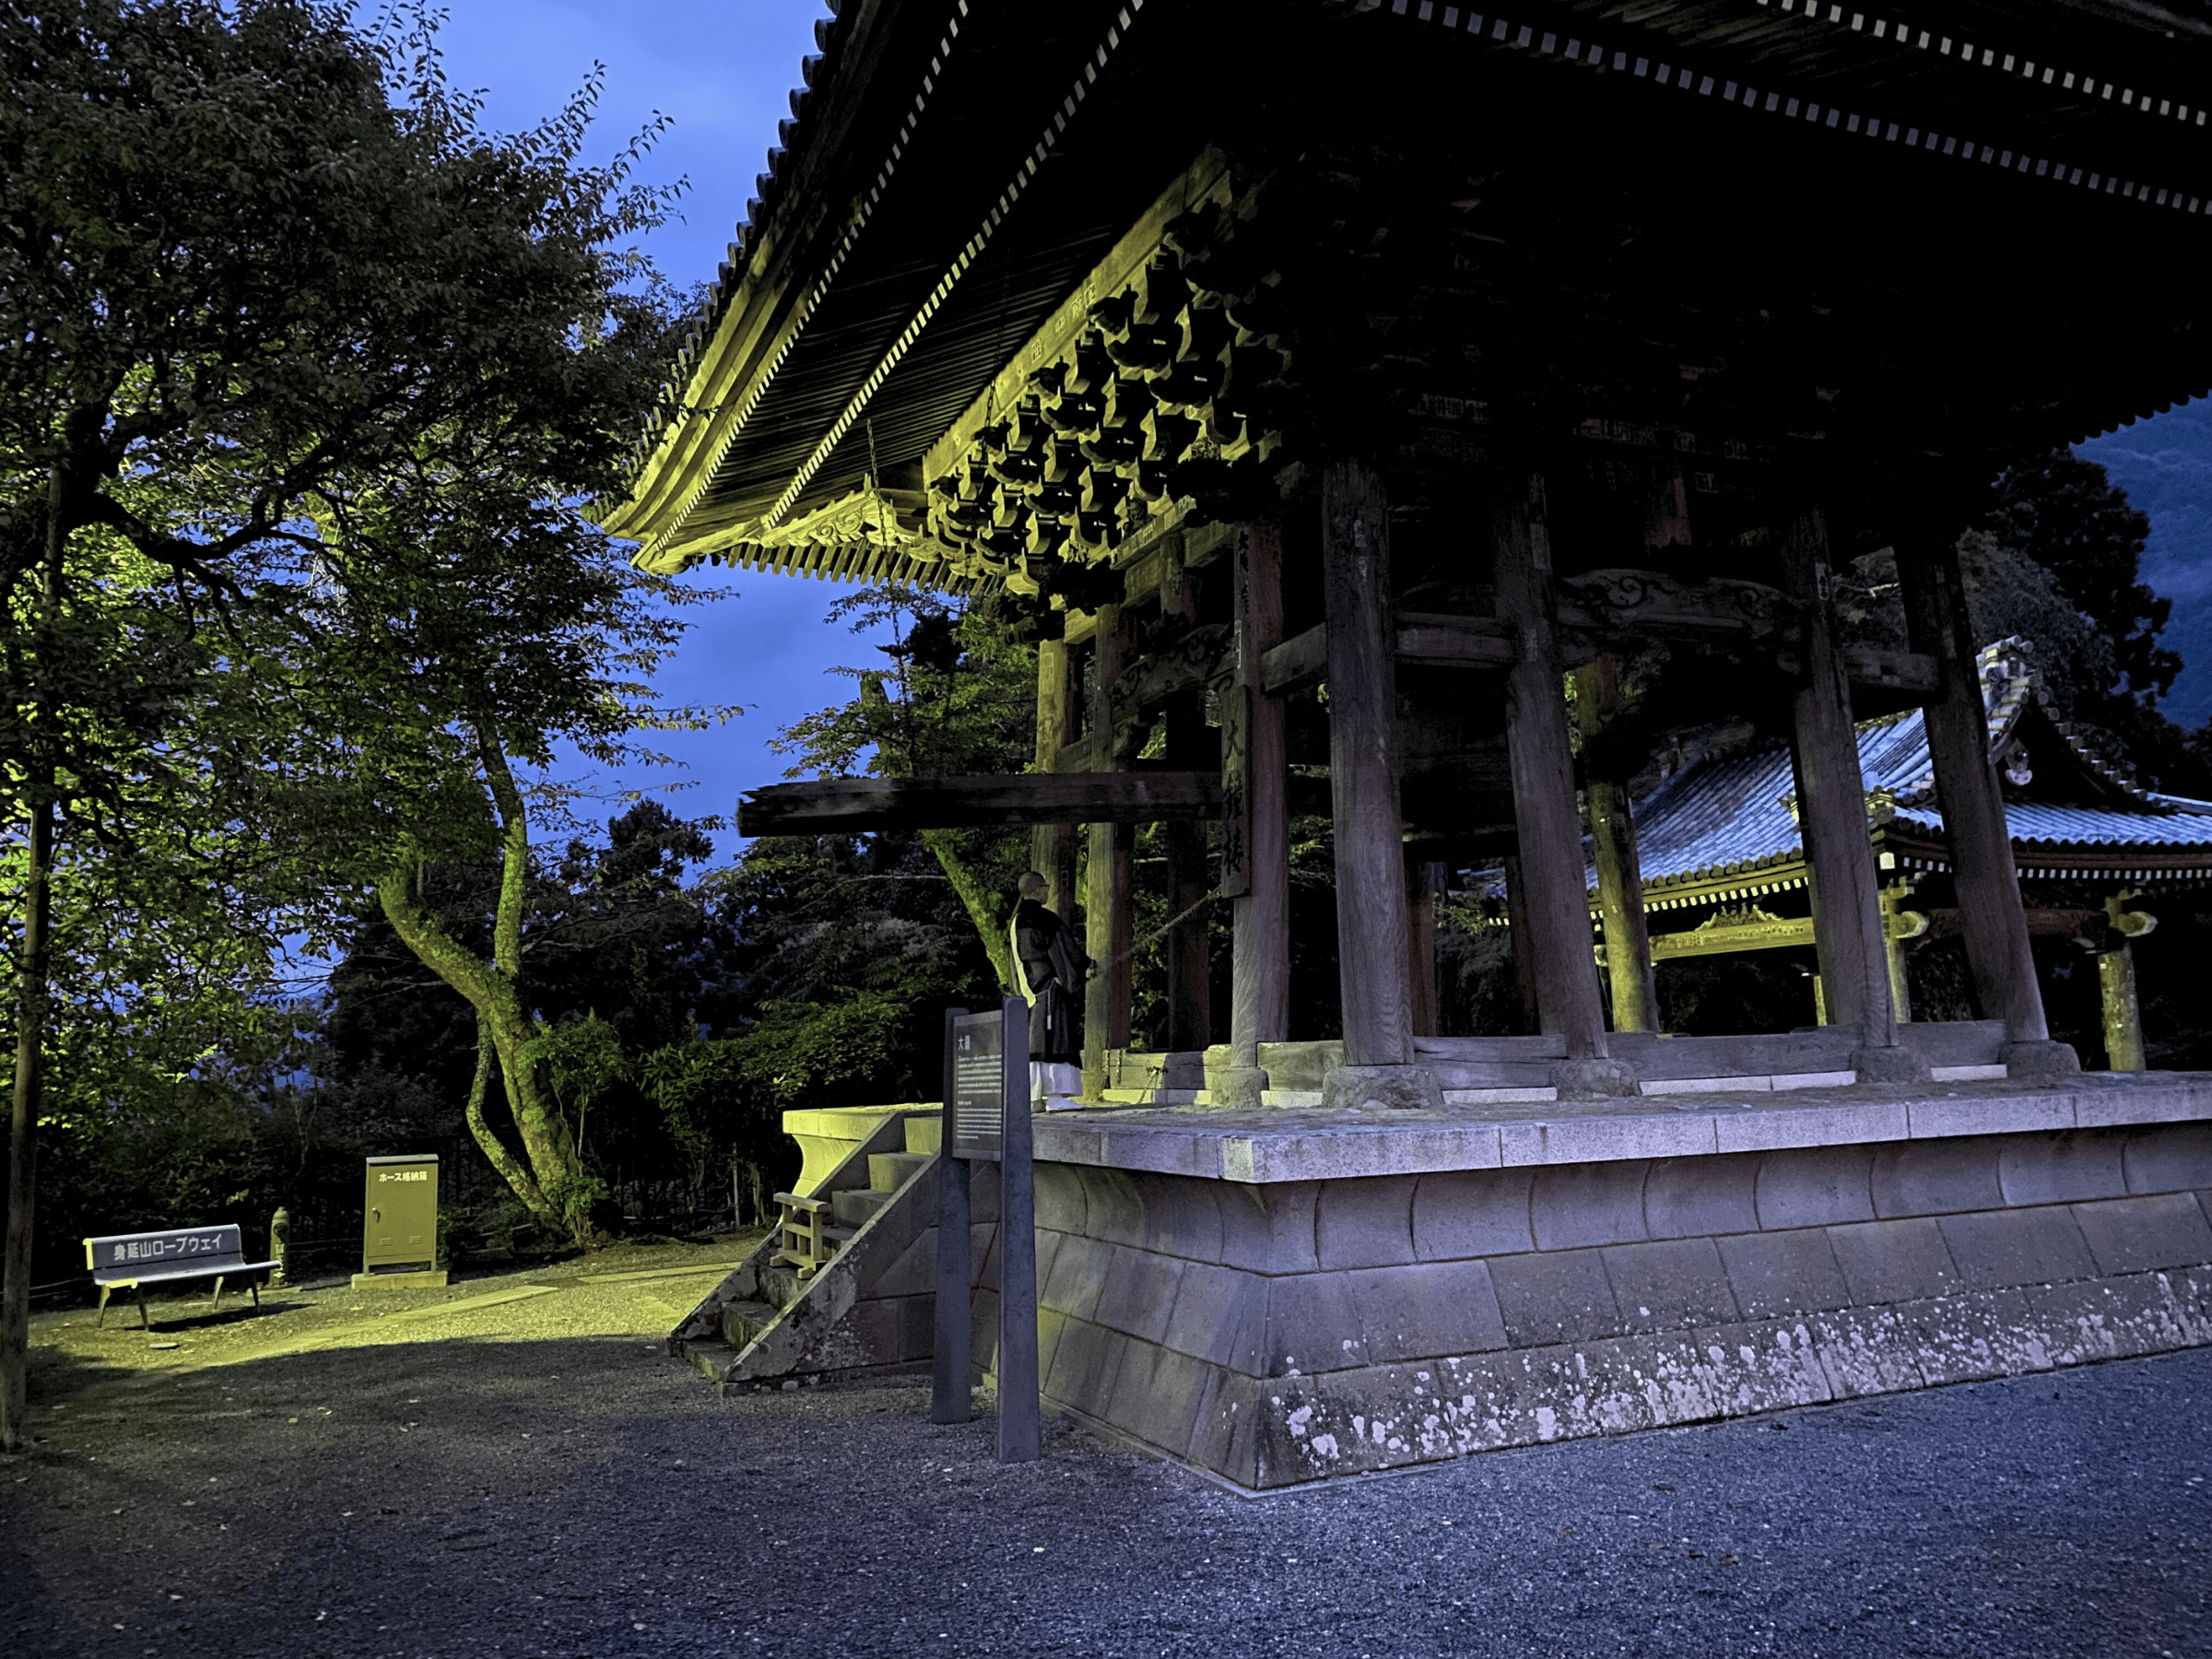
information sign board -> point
(988, 1105)
(979, 1081)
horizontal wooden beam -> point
(1449, 641)
(850, 806)
(1298, 663)
(1730, 937)
(1480, 642)
(1872, 668)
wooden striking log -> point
(1053, 846)
(851, 805)
(1106, 997)
(1848, 929)
(1255, 853)
(1363, 768)
(1556, 901)
(1968, 792)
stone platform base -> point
(422, 1279)
(1284, 1297)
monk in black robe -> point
(1050, 971)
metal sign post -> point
(1018, 1410)
(949, 1398)
(987, 1120)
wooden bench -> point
(132, 1261)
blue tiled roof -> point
(1730, 817)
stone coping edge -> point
(1269, 1144)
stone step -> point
(887, 1172)
(925, 1135)
(853, 1207)
(781, 1286)
(742, 1322)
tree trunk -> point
(511, 1168)
(22, 1144)
(978, 900)
(33, 993)
(556, 1162)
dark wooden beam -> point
(1053, 846)
(849, 805)
(1299, 662)
(1909, 677)
(1848, 927)
(1371, 923)
(1255, 853)
(1108, 867)
(1896, 678)
(1555, 899)
(1983, 870)
(1190, 743)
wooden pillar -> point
(1255, 834)
(1612, 820)
(2123, 1015)
(1525, 956)
(1372, 924)
(1973, 804)
(1422, 878)
(1053, 846)
(1849, 932)
(1899, 924)
(1106, 878)
(1548, 825)
(1191, 747)
(2116, 982)
(1619, 869)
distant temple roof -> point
(1732, 823)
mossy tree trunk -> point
(557, 1188)
(985, 908)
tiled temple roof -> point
(1733, 817)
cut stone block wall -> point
(1290, 1332)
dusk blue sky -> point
(724, 73)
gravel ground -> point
(534, 1476)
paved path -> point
(543, 1482)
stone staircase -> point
(866, 1305)
(790, 1272)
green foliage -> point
(2061, 510)
(308, 375)
(834, 1054)
(2055, 561)
(957, 698)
